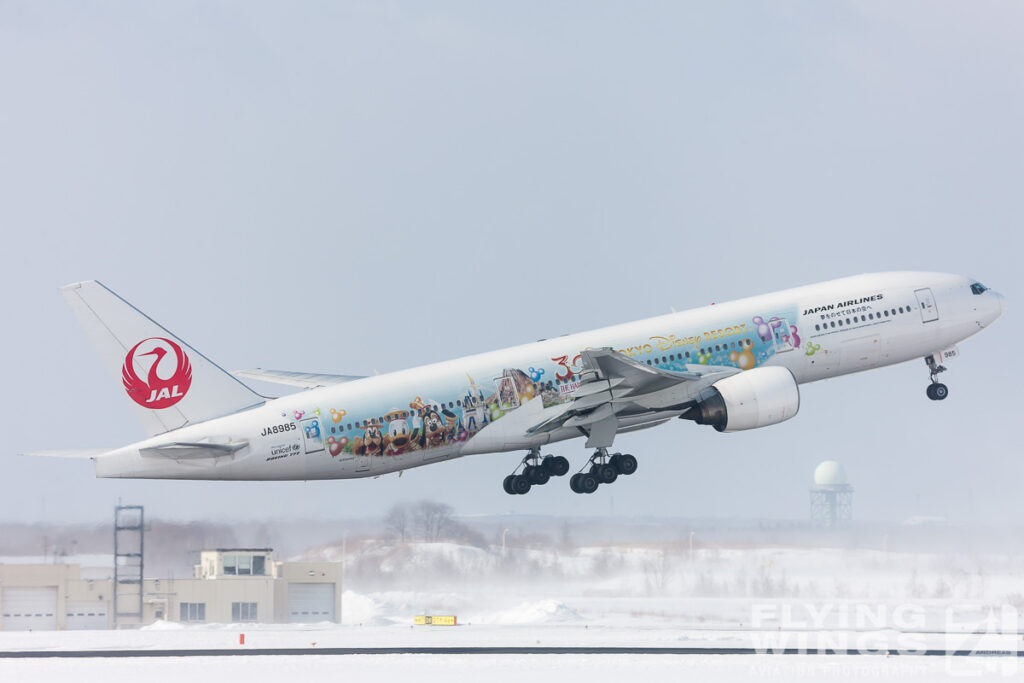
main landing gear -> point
(536, 472)
(936, 391)
(604, 469)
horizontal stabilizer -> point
(309, 380)
(184, 450)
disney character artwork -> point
(745, 358)
(371, 442)
(429, 424)
(400, 438)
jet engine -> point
(755, 398)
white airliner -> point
(732, 366)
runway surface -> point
(496, 650)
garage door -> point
(83, 616)
(24, 609)
(309, 602)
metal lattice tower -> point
(831, 506)
(129, 532)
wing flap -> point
(613, 386)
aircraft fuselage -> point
(487, 403)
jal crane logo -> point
(155, 391)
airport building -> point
(229, 585)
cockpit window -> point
(978, 288)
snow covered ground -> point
(507, 668)
(644, 596)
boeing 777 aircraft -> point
(731, 366)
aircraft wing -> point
(613, 386)
(309, 380)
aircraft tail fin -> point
(168, 382)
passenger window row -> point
(862, 319)
(671, 358)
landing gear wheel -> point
(556, 465)
(606, 474)
(536, 475)
(587, 483)
(520, 485)
(507, 485)
(625, 463)
(937, 391)
(574, 483)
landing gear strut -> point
(604, 469)
(536, 472)
(936, 391)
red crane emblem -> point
(156, 392)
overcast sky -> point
(360, 187)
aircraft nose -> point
(1002, 303)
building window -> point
(245, 565)
(243, 611)
(193, 611)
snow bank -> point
(541, 612)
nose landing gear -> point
(536, 472)
(604, 469)
(936, 391)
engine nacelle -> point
(755, 398)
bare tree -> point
(657, 572)
(396, 521)
(432, 520)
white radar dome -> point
(830, 473)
